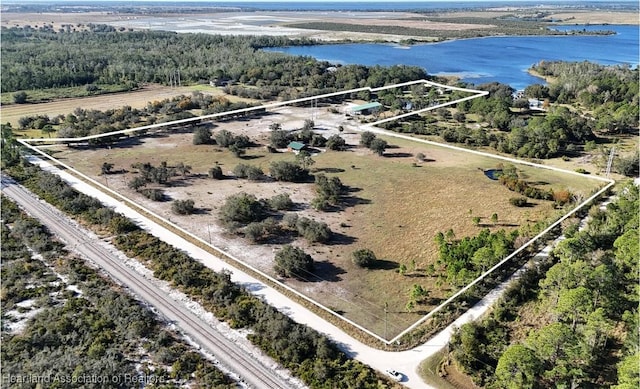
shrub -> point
(320, 203)
(293, 262)
(121, 225)
(378, 146)
(202, 136)
(216, 173)
(137, 183)
(519, 201)
(237, 150)
(250, 172)
(225, 138)
(290, 220)
(261, 231)
(287, 171)
(590, 145)
(318, 140)
(366, 138)
(562, 197)
(364, 258)
(20, 97)
(312, 230)
(183, 207)
(242, 208)
(106, 168)
(335, 142)
(153, 194)
(280, 202)
(280, 138)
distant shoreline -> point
(404, 27)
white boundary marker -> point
(368, 127)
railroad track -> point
(252, 373)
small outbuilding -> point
(296, 147)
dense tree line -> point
(585, 299)
(97, 332)
(308, 354)
(96, 56)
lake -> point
(481, 60)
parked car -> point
(395, 375)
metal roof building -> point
(296, 146)
(365, 107)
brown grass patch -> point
(136, 99)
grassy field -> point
(396, 206)
(42, 95)
(139, 98)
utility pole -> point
(610, 162)
(386, 311)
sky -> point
(330, 1)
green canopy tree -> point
(574, 305)
(518, 368)
(292, 261)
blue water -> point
(481, 60)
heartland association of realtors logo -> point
(126, 379)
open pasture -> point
(395, 206)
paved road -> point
(249, 369)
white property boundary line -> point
(369, 127)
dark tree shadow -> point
(534, 183)
(250, 157)
(253, 286)
(281, 238)
(202, 211)
(119, 171)
(124, 144)
(338, 238)
(383, 264)
(352, 201)
(327, 271)
(397, 155)
(329, 170)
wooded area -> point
(81, 325)
(571, 321)
(43, 58)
